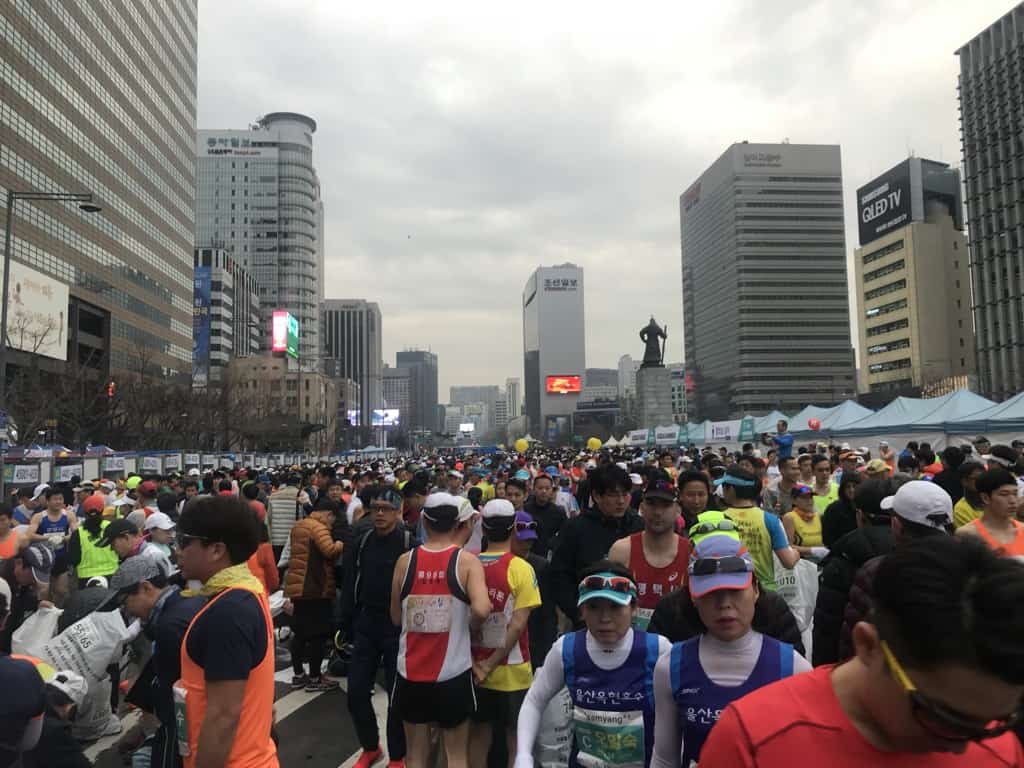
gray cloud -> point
(458, 150)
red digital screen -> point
(563, 385)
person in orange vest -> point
(225, 696)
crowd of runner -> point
(779, 605)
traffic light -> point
(111, 386)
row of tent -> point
(951, 419)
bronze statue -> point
(654, 354)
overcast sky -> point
(461, 145)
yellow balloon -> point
(594, 443)
(521, 445)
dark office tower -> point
(100, 98)
(765, 295)
(422, 367)
(991, 126)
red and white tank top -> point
(652, 583)
(434, 643)
(503, 605)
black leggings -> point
(312, 624)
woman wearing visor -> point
(609, 670)
(703, 675)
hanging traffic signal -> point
(110, 388)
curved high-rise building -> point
(259, 199)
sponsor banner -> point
(666, 435)
(172, 462)
(113, 464)
(151, 464)
(21, 474)
(64, 473)
(191, 459)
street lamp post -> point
(85, 203)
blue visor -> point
(730, 480)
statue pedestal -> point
(653, 396)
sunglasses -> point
(722, 525)
(709, 566)
(612, 583)
(184, 539)
(942, 721)
(531, 526)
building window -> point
(898, 285)
(888, 269)
(881, 253)
(892, 365)
(895, 325)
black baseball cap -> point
(114, 529)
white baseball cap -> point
(193, 472)
(159, 520)
(71, 684)
(39, 490)
(922, 502)
(498, 508)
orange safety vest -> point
(253, 747)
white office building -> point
(554, 354)
(258, 198)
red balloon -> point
(814, 424)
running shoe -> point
(366, 759)
(300, 681)
(321, 685)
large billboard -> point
(385, 417)
(37, 313)
(884, 204)
(563, 385)
(201, 326)
(284, 335)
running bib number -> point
(609, 739)
(494, 630)
(429, 614)
(643, 618)
(181, 719)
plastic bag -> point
(554, 740)
(94, 719)
(799, 588)
(35, 632)
(88, 646)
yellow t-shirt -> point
(963, 513)
(808, 533)
(486, 490)
(522, 582)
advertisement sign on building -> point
(285, 333)
(884, 204)
(201, 326)
(386, 417)
(467, 427)
(37, 313)
(563, 385)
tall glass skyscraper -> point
(259, 200)
(992, 131)
(101, 98)
(765, 295)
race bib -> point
(609, 739)
(643, 618)
(494, 630)
(429, 614)
(181, 719)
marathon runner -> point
(438, 594)
(700, 677)
(933, 682)
(609, 669)
(656, 556)
(998, 526)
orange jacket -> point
(264, 567)
(311, 567)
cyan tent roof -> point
(911, 413)
(1005, 416)
(767, 423)
(838, 417)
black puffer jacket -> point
(858, 607)
(838, 570)
(676, 618)
(583, 541)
